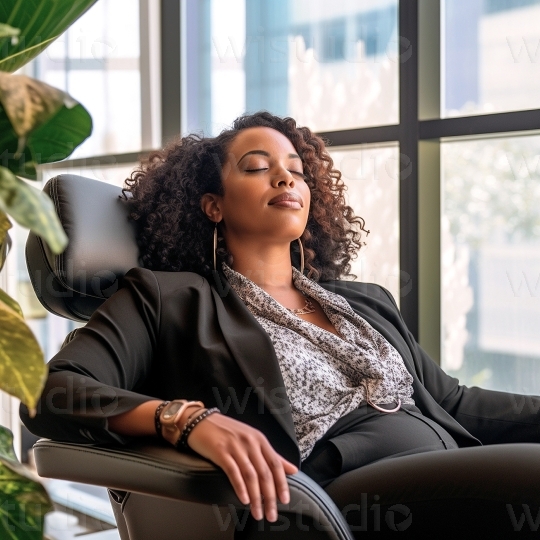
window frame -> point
(419, 134)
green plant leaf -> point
(22, 368)
(29, 103)
(5, 239)
(11, 302)
(40, 22)
(31, 208)
(24, 500)
(6, 445)
(8, 31)
(38, 124)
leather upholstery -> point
(102, 247)
(161, 471)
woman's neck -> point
(270, 269)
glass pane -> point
(97, 62)
(371, 175)
(491, 58)
(328, 65)
(491, 262)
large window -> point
(371, 174)
(329, 65)
(97, 62)
(491, 53)
(386, 82)
(491, 262)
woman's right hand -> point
(256, 471)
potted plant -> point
(38, 124)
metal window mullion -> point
(368, 135)
(150, 72)
(483, 124)
(408, 144)
(429, 180)
(170, 70)
(429, 248)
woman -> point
(239, 312)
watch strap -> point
(157, 420)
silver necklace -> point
(307, 309)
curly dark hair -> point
(174, 234)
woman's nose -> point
(283, 178)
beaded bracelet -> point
(188, 428)
(157, 422)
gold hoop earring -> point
(215, 247)
(301, 255)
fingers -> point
(270, 477)
(244, 478)
(256, 471)
(277, 466)
(288, 466)
(252, 480)
(231, 469)
(258, 477)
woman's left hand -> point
(256, 471)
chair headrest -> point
(102, 247)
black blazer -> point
(171, 335)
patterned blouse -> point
(326, 376)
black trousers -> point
(366, 435)
(481, 492)
(402, 475)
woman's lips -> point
(287, 200)
(288, 204)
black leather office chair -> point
(156, 492)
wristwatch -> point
(170, 416)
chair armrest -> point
(154, 469)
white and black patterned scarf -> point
(325, 375)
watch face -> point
(171, 410)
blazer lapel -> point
(384, 317)
(367, 307)
(255, 355)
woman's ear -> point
(210, 205)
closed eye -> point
(302, 175)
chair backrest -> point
(102, 248)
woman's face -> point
(265, 196)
